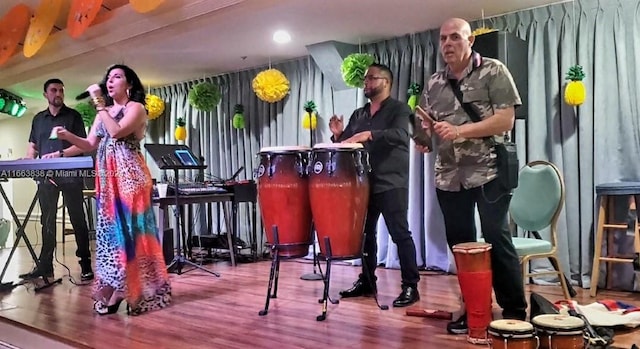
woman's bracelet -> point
(98, 101)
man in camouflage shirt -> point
(465, 169)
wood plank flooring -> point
(211, 312)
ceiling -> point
(189, 39)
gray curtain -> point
(594, 143)
(224, 148)
(597, 142)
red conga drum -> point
(512, 334)
(283, 196)
(559, 331)
(473, 261)
(339, 194)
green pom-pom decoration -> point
(310, 106)
(354, 67)
(204, 96)
(575, 73)
(238, 116)
(88, 113)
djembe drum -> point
(512, 334)
(339, 194)
(473, 262)
(559, 331)
(283, 195)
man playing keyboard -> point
(42, 145)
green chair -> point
(535, 205)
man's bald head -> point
(458, 23)
(456, 42)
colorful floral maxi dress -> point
(129, 257)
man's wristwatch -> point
(61, 152)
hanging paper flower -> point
(88, 113)
(155, 106)
(353, 68)
(238, 116)
(483, 30)
(575, 93)
(204, 96)
(181, 132)
(271, 85)
(310, 117)
(414, 92)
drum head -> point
(285, 149)
(511, 328)
(557, 323)
(338, 146)
(471, 247)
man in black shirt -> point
(42, 145)
(382, 127)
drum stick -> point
(430, 313)
(424, 115)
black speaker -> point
(514, 53)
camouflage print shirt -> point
(488, 86)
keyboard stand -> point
(20, 233)
(164, 155)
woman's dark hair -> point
(136, 92)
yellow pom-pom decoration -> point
(155, 106)
(271, 85)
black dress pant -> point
(493, 206)
(48, 195)
(393, 205)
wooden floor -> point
(211, 312)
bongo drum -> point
(283, 196)
(339, 194)
(473, 261)
(559, 331)
(512, 334)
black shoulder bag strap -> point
(466, 106)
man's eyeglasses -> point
(371, 77)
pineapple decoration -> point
(414, 92)
(310, 117)
(180, 132)
(238, 116)
(575, 92)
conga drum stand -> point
(325, 279)
(275, 269)
(313, 276)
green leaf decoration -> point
(238, 109)
(575, 73)
(204, 96)
(354, 67)
(87, 111)
(180, 122)
(414, 89)
(309, 106)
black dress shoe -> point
(359, 288)
(459, 326)
(36, 273)
(86, 276)
(408, 296)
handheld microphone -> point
(85, 94)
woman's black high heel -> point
(101, 309)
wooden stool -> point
(605, 196)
